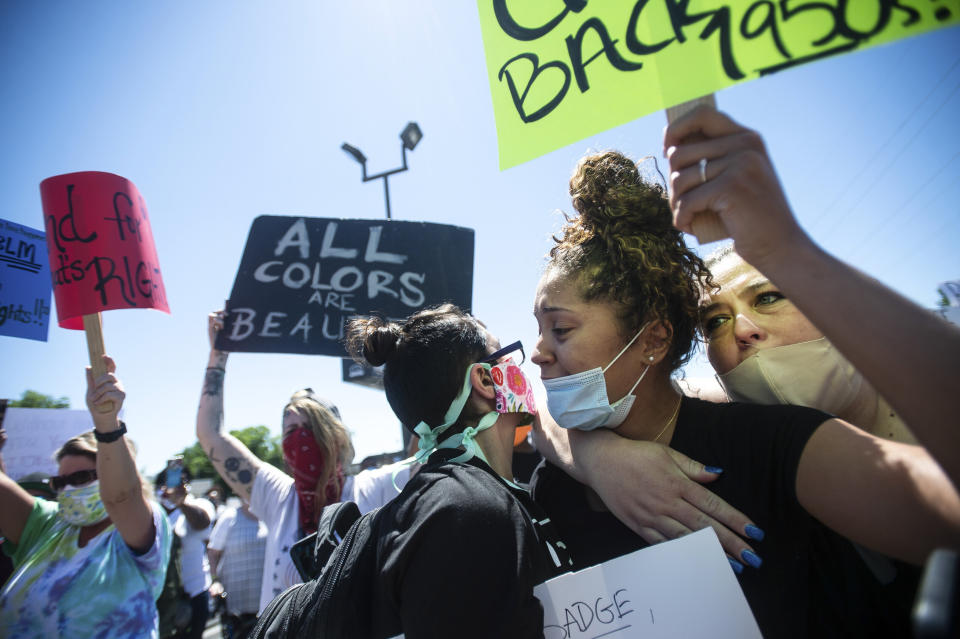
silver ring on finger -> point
(703, 170)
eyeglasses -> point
(506, 352)
(78, 478)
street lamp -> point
(409, 138)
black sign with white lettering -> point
(301, 279)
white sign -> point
(35, 434)
(679, 588)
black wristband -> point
(112, 436)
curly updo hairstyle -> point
(425, 359)
(624, 249)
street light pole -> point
(410, 137)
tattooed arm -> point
(234, 461)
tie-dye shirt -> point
(102, 590)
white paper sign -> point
(35, 434)
(680, 588)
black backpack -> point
(342, 568)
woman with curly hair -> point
(617, 309)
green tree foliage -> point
(256, 438)
(34, 399)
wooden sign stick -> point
(707, 226)
(93, 327)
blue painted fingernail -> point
(753, 532)
(716, 470)
(751, 558)
(736, 565)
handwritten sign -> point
(680, 588)
(100, 245)
(24, 282)
(562, 70)
(301, 279)
(35, 434)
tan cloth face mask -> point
(810, 374)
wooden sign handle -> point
(707, 225)
(93, 327)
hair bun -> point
(614, 199)
(599, 176)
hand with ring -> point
(727, 170)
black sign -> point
(362, 373)
(302, 279)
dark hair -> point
(425, 359)
(624, 249)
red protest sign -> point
(102, 255)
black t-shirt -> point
(812, 582)
(458, 553)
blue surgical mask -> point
(580, 401)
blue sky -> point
(222, 111)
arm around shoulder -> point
(891, 497)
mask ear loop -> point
(428, 436)
(643, 374)
(629, 344)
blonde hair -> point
(329, 432)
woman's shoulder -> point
(457, 490)
(706, 412)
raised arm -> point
(662, 500)
(15, 503)
(120, 486)
(234, 461)
(911, 356)
(888, 496)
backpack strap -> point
(335, 521)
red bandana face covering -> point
(303, 455)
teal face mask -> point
(430, 437)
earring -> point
(650, 358)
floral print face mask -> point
(82, 506)
(513, 391)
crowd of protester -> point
(826, 459)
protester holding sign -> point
(316, 446)
(765, 351)
(460, 550)
(915, 369)
(618, 310)
(91, 565)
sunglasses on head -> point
(78, 478)
(511, 349)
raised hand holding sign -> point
(102, 255)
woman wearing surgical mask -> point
(458, 552)
(765, 351)
(92, 563)
(316, 448)
(617, 309)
